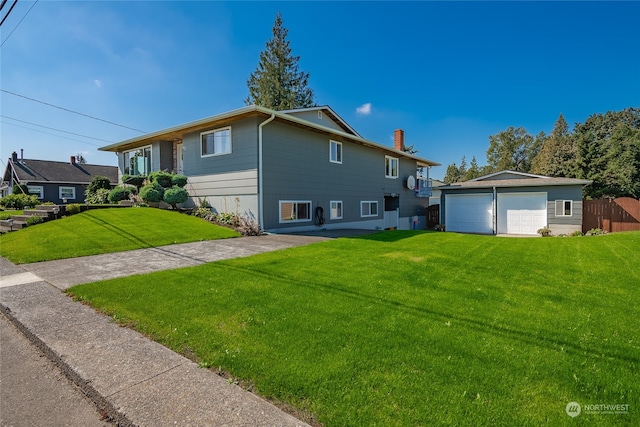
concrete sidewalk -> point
(135, 380)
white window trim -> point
(371, 202)
(289, 221)
(36, 189)
(331, 142)
(331, 209)
(386, 171)
(73, 191)
(124, 160)
(561, 213)
(214, 131)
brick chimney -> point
(398, 139)
(73, 160)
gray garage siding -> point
(293, 174)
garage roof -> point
(516, 179)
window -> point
(37, 190)
(335, 150)
(67, 192)
(215, 142)
(336, 209)
(368, 208)
(295, 211)
(390, 167)
(564, 207)
(137, 162)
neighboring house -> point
(295, 170)
(510, 202)
(57, 182)
(435, 193)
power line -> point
(70, 111)
(18, 24)
(7, 15)
(57, 130)
(52, 134)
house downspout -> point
(260, 180)
(495, 211)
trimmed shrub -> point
(72, 209)
(98, 182)
(135, 180)
(175, 195)
(19, 201)
(120, 193)
(151, 193)
(179, 180)
(20, 189)
(33, 220)
(161, 177)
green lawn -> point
(410, 328)
(99, 231)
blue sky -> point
(450, 74)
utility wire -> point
(18, 24)
(3, 3)
(57, 130)
(53, 134)
(7, 15)
(71, 111)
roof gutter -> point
(260, 180)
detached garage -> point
(515, 203)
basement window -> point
(295, 211)
(368, 208)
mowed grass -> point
(410, 328)
(99, 231)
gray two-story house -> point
(295, 170)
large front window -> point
(215, 142)
(295, 211)
(137, 162)
(67, 192)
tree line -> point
(604, 149)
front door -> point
(179, 160)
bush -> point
(120, 193)
(100, 197)
(576, 233)
(19, 201)
(175, 195)
(151, 193)
(202, 212)
(72, 209)
(35, 219)
(248, 227)
(544, 231)
(179, 180)
(135, 180)
(98, 182)
(20, 189)
(161, 177)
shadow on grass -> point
(551, 343)
(392, 235)
(119, 231)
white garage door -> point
(521, 213)
(469, 213)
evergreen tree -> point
(557, 157)
(473, 171)
(277, 82)
(452, 175)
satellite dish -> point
(411, 183)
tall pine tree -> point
(277, 82)
(558, 153)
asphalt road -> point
(33, 391)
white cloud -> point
(98, 83)
(364, 109)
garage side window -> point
(564, 207)
(295, 211)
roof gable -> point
(505, 179)
(324, 116)
(507, 174)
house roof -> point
(328, 111)
(523, 180)
(176, 133)
(46, 171)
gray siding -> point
(292, 173)
(505, 175)
(312, 116)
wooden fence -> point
(611, 215)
